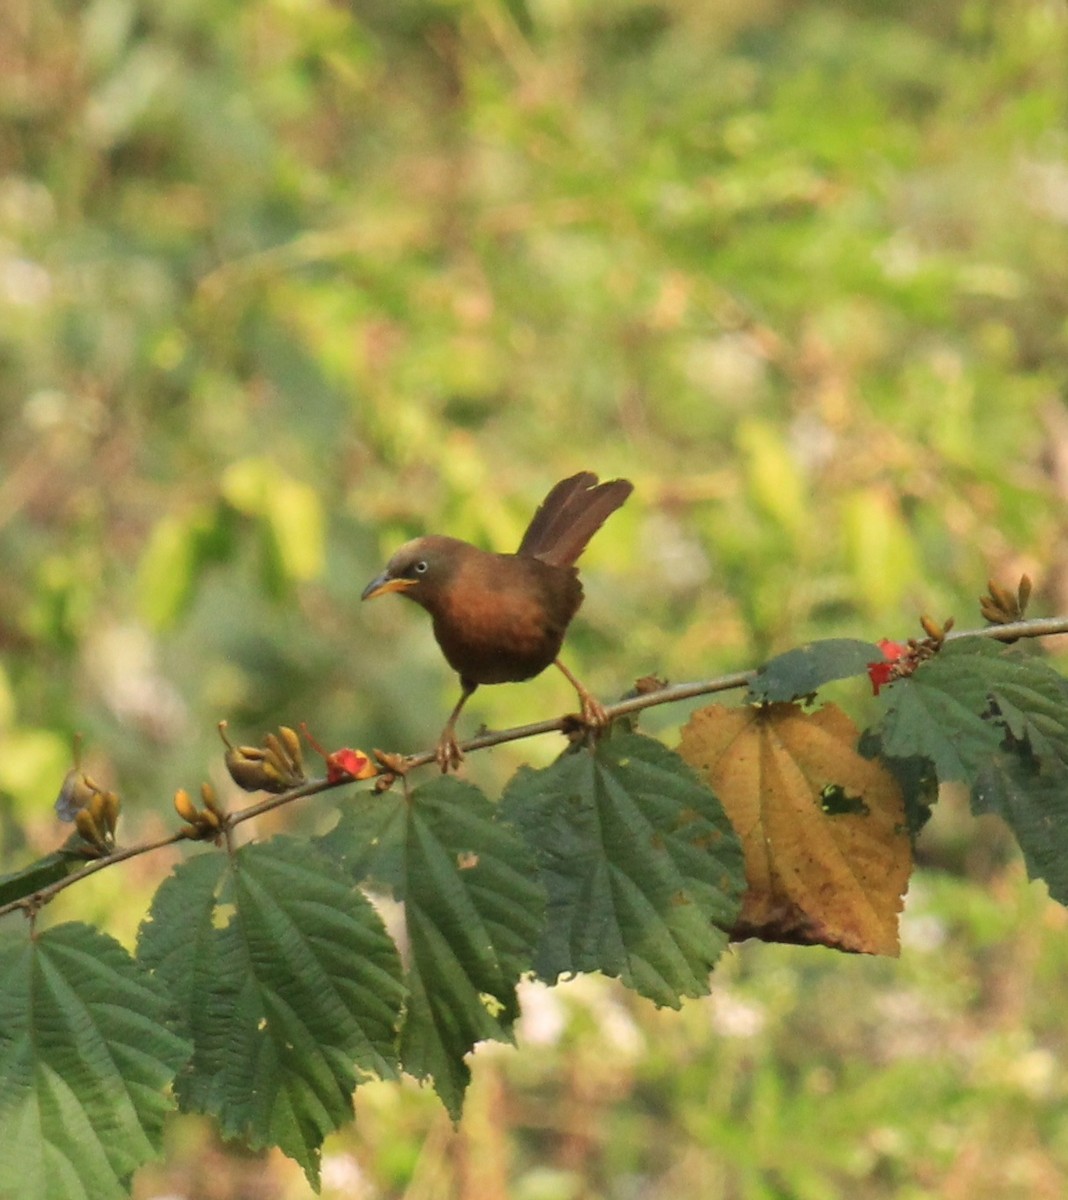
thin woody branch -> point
(670, 693)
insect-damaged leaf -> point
(472, 914)
(827, 853)
(288, 985)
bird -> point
(501, 618)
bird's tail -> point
(570, 515)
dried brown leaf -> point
(827, 854)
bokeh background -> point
(283, 283)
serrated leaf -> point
(287, 982)
(804, 670)
(997, 718)
(368, 841)
(827, 853)
(87, 1050)
(473, 915)
(1030, 700)
(643, 871)
(940, 711)
(957, 708)
(1033, 802)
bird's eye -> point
(420, 567)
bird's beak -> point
(384, 583)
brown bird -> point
(501, 618)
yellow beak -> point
(384, 583)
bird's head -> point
(418, 570)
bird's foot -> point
(593, 711)
(591, 720)
(448, 754)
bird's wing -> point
(570, 515)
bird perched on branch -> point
(501, 618)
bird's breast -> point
(503, 617)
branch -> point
(30, 904)
(665, 695)
(39, 898)
(670, 693)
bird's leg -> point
(593, 713)
(448, 752)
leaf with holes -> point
(1030, 700)
(473, 913)
(643, 871)
(287, 983)
(827, 851)
(959, 707)
(87, 1051)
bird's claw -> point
(594, 715)
(448, 754)
(592, 718)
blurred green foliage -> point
(282, 284)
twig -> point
(37, 899)
(665, 695)
(1033, 627)
(671, 693)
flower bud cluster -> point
(276, 766)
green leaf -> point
(996, 717)
(169, 567)
(87, 1051)
(642, 867)
(291, 516)
(368, 841)
(1030, 700)
(802, 671)
(1028, 788)
(286, 980)
(1033, 802)
(915, 777)
(39, 874)
(941, 711)
(473, 914)
(957, 709)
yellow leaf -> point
(291, 511)
(295, 517)
(772, 475)
(247, 483)
(166, 572)
(827, 856)
(880, 549)
(32, 764)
